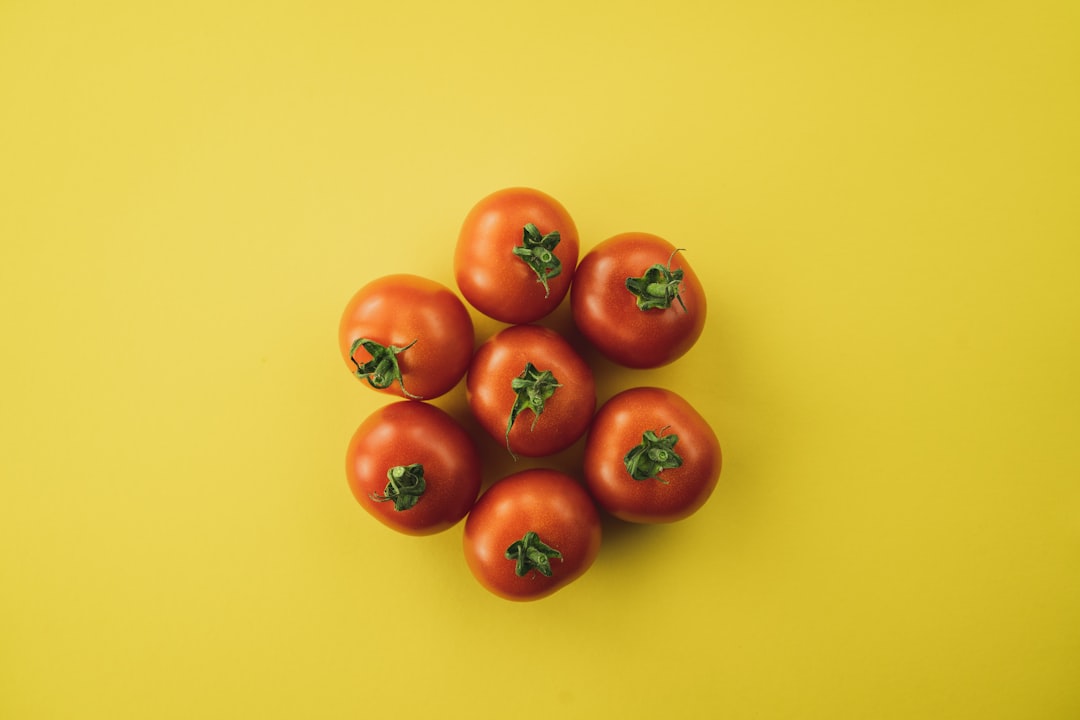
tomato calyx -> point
(537, 251)
(533, 388)
(532, 553)
(653, 456)
(382, 370)
(405, 484)
(657, 287)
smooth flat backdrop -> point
(882, 199)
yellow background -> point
(882, 199)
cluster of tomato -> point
(649, 455)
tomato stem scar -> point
(653, 456)
(658, 286)
(382, 370)
(405, 484)
(532, 553)
(532, 389)
(537, 252)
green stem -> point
(532, 553)
(382, 370)
(405, 484)
(657, 286)
(537, 252)
(532, 388)
(653, 456)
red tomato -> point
(516, 255)
(650, 457)
(414, 468)
(638, 301)
(407, 336)
(531, 533)
(529, 389)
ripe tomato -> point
(516, 255)
(650, 457)
(531, 533)
(413, 467)
(407, 336)
(638, 301)
(529, 389)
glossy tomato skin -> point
(566, 414)
(404, 433)
(399, 309)
(491, 277)
(619, 426)
(607, 314)
(549, 503)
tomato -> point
(531, 534)
(516, 255)
(413, 467)
(528, 388)
(651, 457)
(407, 336)
(638, 301)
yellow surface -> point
(881, 197)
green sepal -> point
(532, 553)
(538, 252)
(532, 389)
(405, 484)
(653, 456)
(382, 370)
(657, 287)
